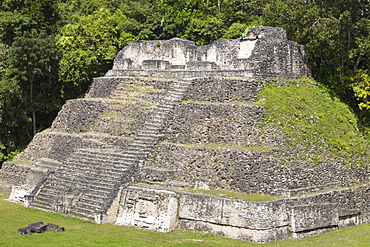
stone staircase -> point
(89, 180)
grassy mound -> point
(319, 127)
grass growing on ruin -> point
(225, 147)
(314, 121)
(86, 234)
(237, 195)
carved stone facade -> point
(263, 52)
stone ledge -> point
(262, 222)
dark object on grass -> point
(24, 230)
(60, 229)
(39, 227)
(51, 226)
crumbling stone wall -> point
(263, 222)
(250, 171)
(264, 51)
(59, 145)
(210, 135)
(20, 173)
(231, 124)
(111, 112)
(224, 90)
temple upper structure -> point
(262, 52)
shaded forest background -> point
(50, 50)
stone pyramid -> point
(171, 116)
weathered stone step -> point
(88, 207)
(133, 155)
(176, 93)
(141, 145)
(96, 161)
(92, 173)
(148, 134)
(116, 155)
(155, 125)
(102, 158)
(41, 206)
(82, 214)
(84, 164)
(157, 119)
(143, 142)
(50, 191)
(92, 196)
(93, 199)
(92, 163)
(85, 206)
(83, 183)
(89, 178)
(86, 182)
(48, 196)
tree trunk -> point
(33, 110)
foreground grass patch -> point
(82, 233)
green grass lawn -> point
(82, 233)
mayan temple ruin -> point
(171, 116)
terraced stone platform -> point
(167, 119)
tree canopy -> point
(50, 50)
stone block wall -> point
(111, 112)
(149, 207)
(78, 116)
(264, 51)
(59, 145)
(231, 124)
(224, 90)
(102, 87)
(212, 132)
(250, 171)
(20, 174)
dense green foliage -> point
(50, 50)
(82, 233)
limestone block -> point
(18, 193)
(349, 220)
(253, 235)
(313, 216)
(148, 208)
(78, 115)
(156, 64)
(203, 184)
(236, 213)
(201, 65)
(102, 87)
(14, 173)
(156, 174)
